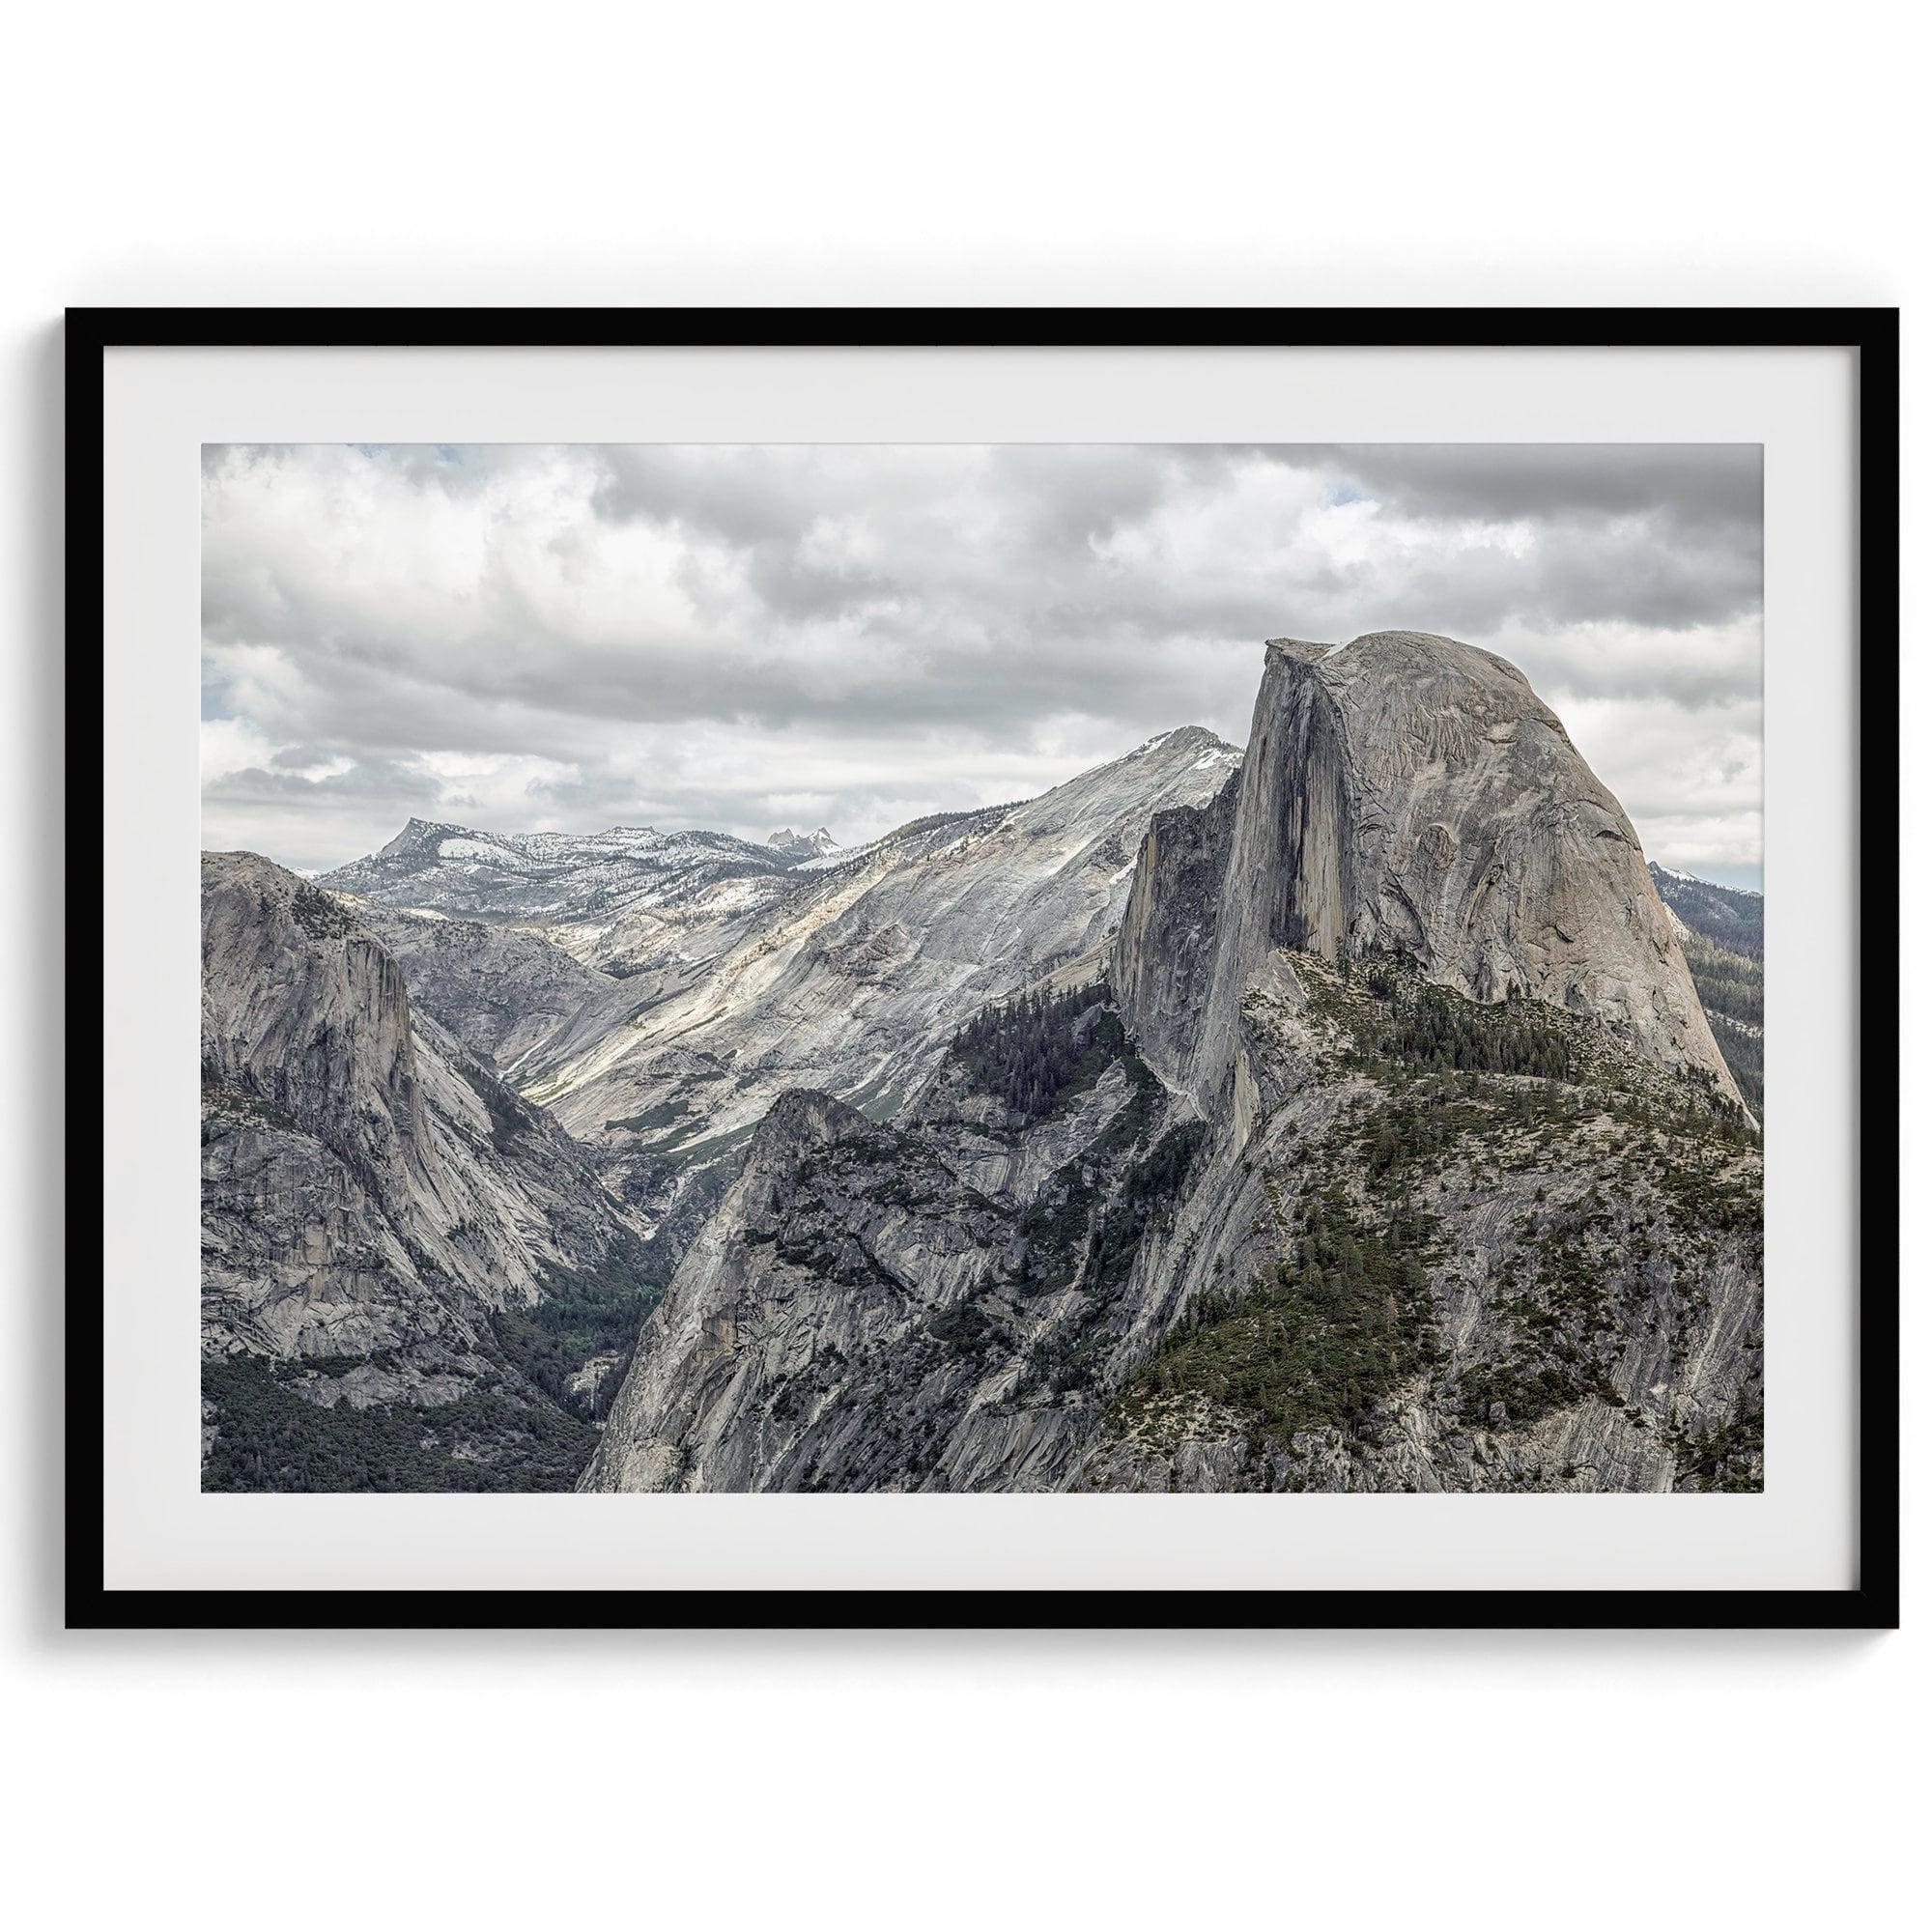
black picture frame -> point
(1870, 1604)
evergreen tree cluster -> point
(1437, 1029)
(1320, 1340)
(1728, 984)
(595, 1312)
(1032, 1053)
(269, 1438)
(1744, 1057)
(1731, 986)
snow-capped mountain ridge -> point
(1693, 879)
(1729, 916)
(572, 879)
(423, 842)
(796, 846)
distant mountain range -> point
(1726, 915)
(796, 846)
(1721, 929)
(1355, 1112)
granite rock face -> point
(633, 902)
(367, 1185)
(1108, 1293)
(914, 1305)
(1384, 1146)
(509, 993)
(657, 992)
(1407, 794)
(836, 1246)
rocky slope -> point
(921, 1304)
(845, 974)
(626, 902)
(853, 985)
(1460, 1246)
(507, 992)
(1386, 1146)
(378, 1212)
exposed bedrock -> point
(366, 1184)
(1411, 794)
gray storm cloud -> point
(564, 637)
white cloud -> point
(232, 745)
(563, 638)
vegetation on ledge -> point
(1633, 1186)
(1033, 1054)
(1320, 1340)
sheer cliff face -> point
(512, 996)
(365, 1184)
(1408, 794)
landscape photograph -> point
(1005, 968)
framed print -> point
(986, 968)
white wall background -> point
(838, 152)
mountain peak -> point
(414, 836)
(1408, 792)
(791, 844)
(1184, 740)
(1405, 655)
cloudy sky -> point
(565, 639)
